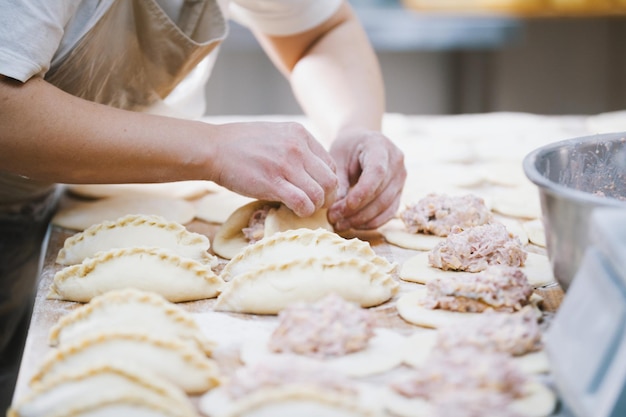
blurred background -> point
(460, 56)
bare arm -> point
(335, 75)
(49, 135)
(333, 71)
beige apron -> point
(134, 56)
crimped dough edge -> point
(130, 295)
(304, 237)
(160, 386)
(369, 271)
(191, 355)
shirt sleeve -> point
(282, 17)
(30, 34)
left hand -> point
(371, 175)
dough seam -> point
(189, 353)
(121, 297)
(83, 269)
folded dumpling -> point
(302, 243)
(129, 310)
(133, 231)
(107, 389)
(286, 388)
(150, 269)
(304, 265)
(179, 362)
(271, 288)
(258, 219)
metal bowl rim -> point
(529, 164)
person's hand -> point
(371, 175)
(275, 162)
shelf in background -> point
(523, 8)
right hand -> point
(276, 162)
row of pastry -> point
(131, 348)
(129, 352)
(276, 272)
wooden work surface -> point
(436, 134)
(47, 312)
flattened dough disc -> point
(395, 233)
(384, 352)
(81, 215)
(538, 270)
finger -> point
(310, 187)
(373, 178)
(294, 197)
(325, 179)
(338, 207)
(324, 171)
(321, 153)
(314, 178)
(374, 215)
(320, 167)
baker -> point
(110, 91)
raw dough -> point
(539, 402)
(179, 362)
(608, 122)
(97, 387)
(384, 352)
(505, 173)
(132, 231)
(536, 232)
(521, 202)
(150, 269)
(537, 268)
(217, 207)
(271, 288)
(81, 215)
(179, 189)
(410, 309)
(420, 345)
(296, 244)
(283, 402)
(395, 233)
(129, 310)
(230, 240)
(287, 388)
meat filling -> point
(515, 334)
(256, 225)
(499, 288)
(327, 328)
(478, 403)
(465, 376)
(476, 248)
(437, 214)
(276, 374)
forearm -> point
(49, 135)
(338, 81)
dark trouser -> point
(22, 231)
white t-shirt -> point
(35, 34)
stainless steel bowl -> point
(574, 177)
